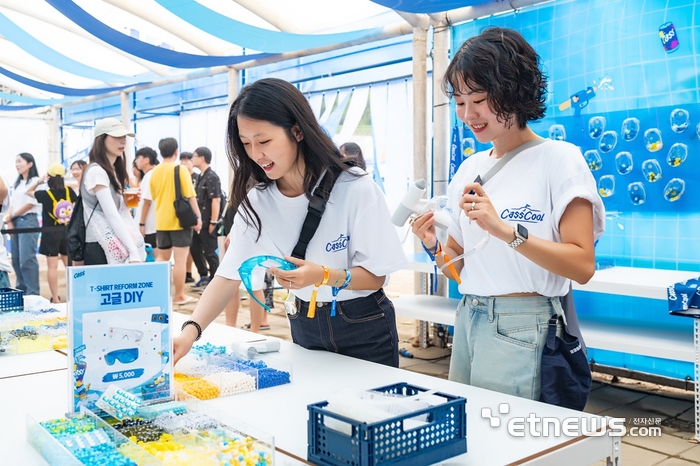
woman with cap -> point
(102, 188)
(23, 214)
(57, 207)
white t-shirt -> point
(533, 189)
(355, 230)
(94, 177)
(146, 194)
(19, 197)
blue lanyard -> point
(335, 291)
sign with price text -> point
(118, 331)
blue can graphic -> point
(669, 37)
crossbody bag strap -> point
(82, 190)
(317, 205)
(178, 192)
(507, 158)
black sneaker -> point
(189, 278)
(201, 283)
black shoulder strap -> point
(178, 192)
(81, 188)
(317, 205)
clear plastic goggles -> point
(247, 267)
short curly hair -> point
(500, 62)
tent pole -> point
(127, 115)
(234, 84)
(420, 120)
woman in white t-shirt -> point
(541, 210)
(275, 140)
(112, 237)
(24, 213)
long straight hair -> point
(281, 104)
(117, 172)
(33, 172)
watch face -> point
(522, 231)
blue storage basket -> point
(11, 299)
(388, 442)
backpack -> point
(62, 209)
(75, 233)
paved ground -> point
(639, 403)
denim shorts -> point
(498, 343)
(363, 328)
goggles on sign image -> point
(118, 333)
(247, 267)
(124, 356)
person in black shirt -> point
(57, 206)
(204, 243)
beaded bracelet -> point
(335, 291)
(196, 325)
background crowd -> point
(134, 207)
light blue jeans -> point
(24, 255)
(498, 343)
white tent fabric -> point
(356, 108)
(316, 102)
(332, 123)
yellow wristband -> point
(326, 275)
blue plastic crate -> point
(11, 299)
(388, 442)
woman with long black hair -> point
(340, 306)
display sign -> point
(118, 331)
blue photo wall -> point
(623, 87)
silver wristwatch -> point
(520, 236)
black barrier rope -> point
(15, 231)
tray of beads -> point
(32, 331)
(196, 376)
(208, 371)
(181, 431)
(84, 439)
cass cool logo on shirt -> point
(339, 244)
(524, 214)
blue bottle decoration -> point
(630, 129)
(637, 193)
(593, 160)
(596, 126)
(652, 140)
(674, 189)
(607, 142)
(557, 133)
(624, 163)
(677, 154)
(468, 147)
(651, 169)
(680, 120)
(606, 186)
